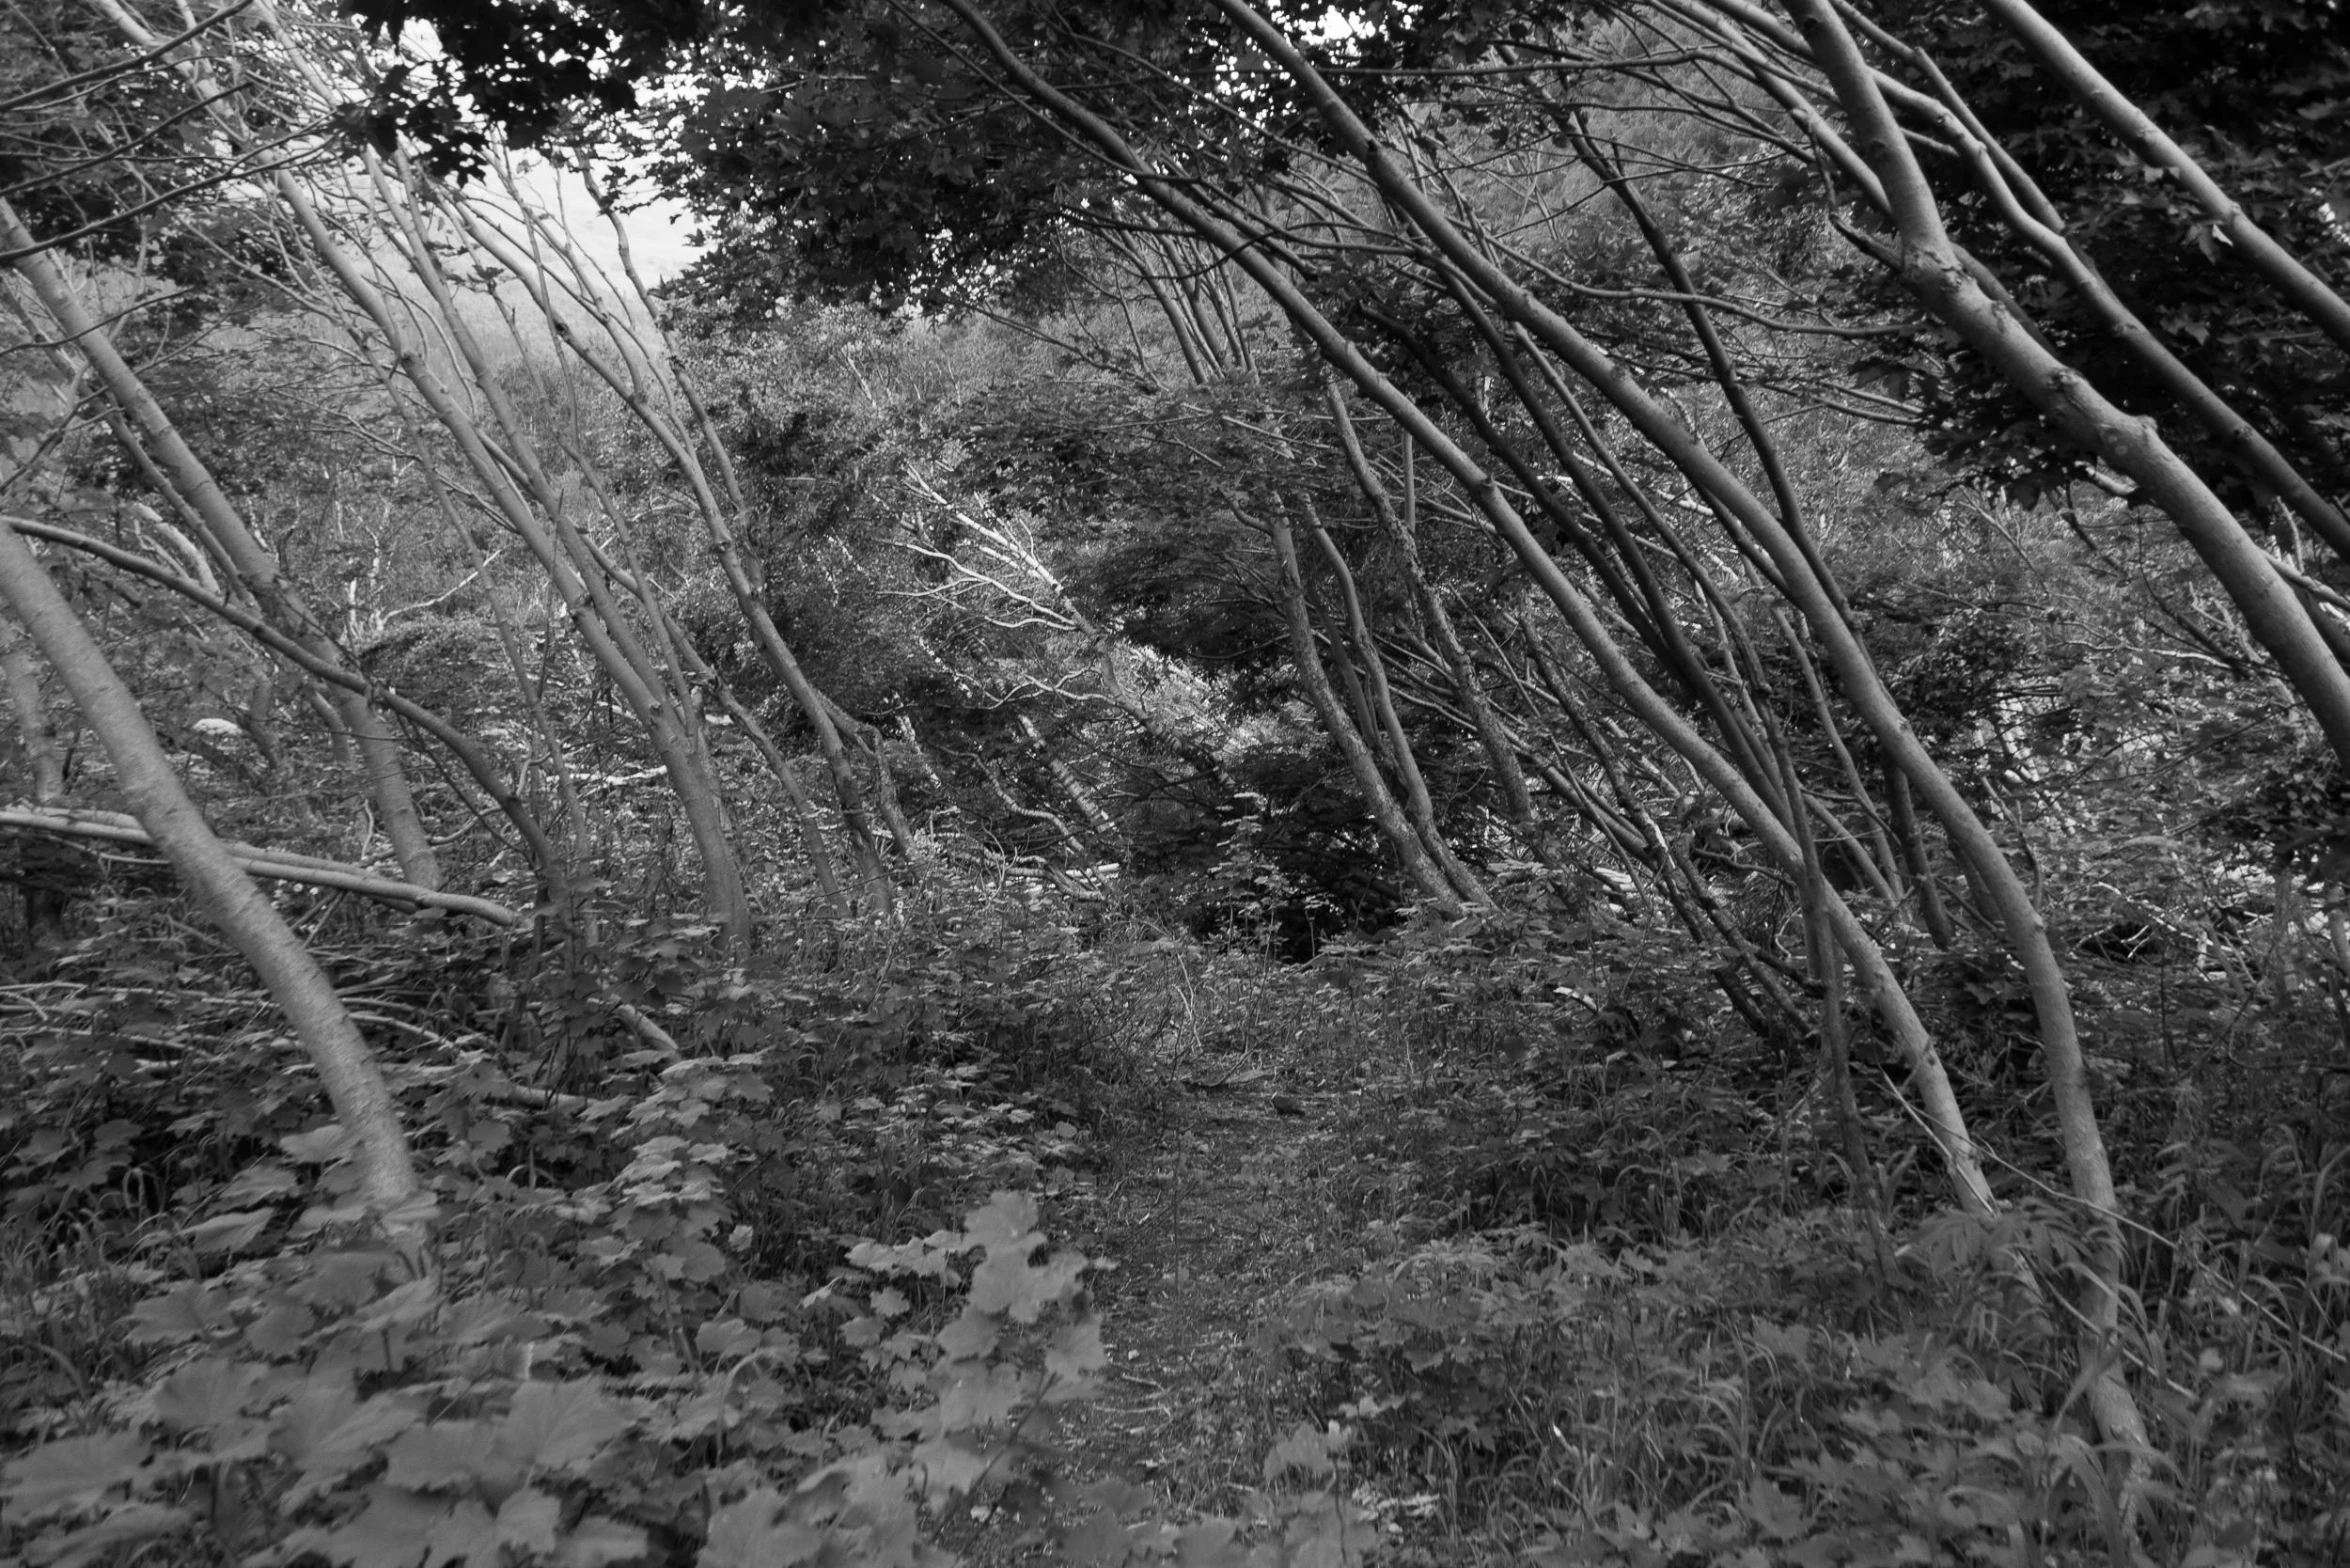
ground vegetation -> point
(1526, 782)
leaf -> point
(598, 1542)
(468, 1535)
(205, 1394)
(1773, 1512)
(553, 1426)
(1303, 1450)
(265, 1179)
(761, 1301)
(189, 1311)
(1208, 1544)
(446, 1454)
(321, 1146)
(227, 1232)
(749, 1534)
(1008, 1284)
(391, 1533)
(528, 1519)
(71, 1474)
(982, 1396)
(328, 1433)
(345, 1279)
(1075, 1355)
(725, 1338)
(950, 1466)
(1006, 1225)
(278, 1332)
(972, 1335)
(121, 1527)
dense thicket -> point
(1734, 613)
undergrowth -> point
(745, 1265)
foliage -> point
(2257, 95)
(1607, 1273)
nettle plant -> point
(597, 1376)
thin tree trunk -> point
(1931, 267)
(1402, 534)
(2310, 294)
(1105, 826)
(1939, 277)
(1418, 807)
(45, 902)
(585, 598)
(224, 528)
(353, 1080)
(1386, 815)
(1940, 1111)
(675, 439)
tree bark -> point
(1932, 268)
(2309, 293)
(225, 530)
(1401, 532)
(1419, 809)
(353, 1080)
(1386, 815)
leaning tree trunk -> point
(1370, 784)
(354, 1081)
(225, 530)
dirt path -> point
(1211, 1215)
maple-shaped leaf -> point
(345, 1279)
(71, 1473)
(528, 1519)
(468, 1535)
(205, 1394)
(951, 1465)
(400, 1306)
(972, 1335)
(445, 1455)
(328, 1433)
(726, 1338)
(1006, 1225)
(279, 1332)
(319, 1146)
(1820, 1551)
(1074, 1358)
(264, 1179)
(227, 1232)
(1212, 1543)
(554, 1426)
(390, 1533)
(873, 1486)
(1010, 1285)
(1776, 1514)
(1304, 1450)
(121, 1527)
(753, 1534)
(982, 1396)
(598, 1542)
(189, 1311)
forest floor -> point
(1235, 1188)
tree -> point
(346, 1068)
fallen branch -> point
(278, 865)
